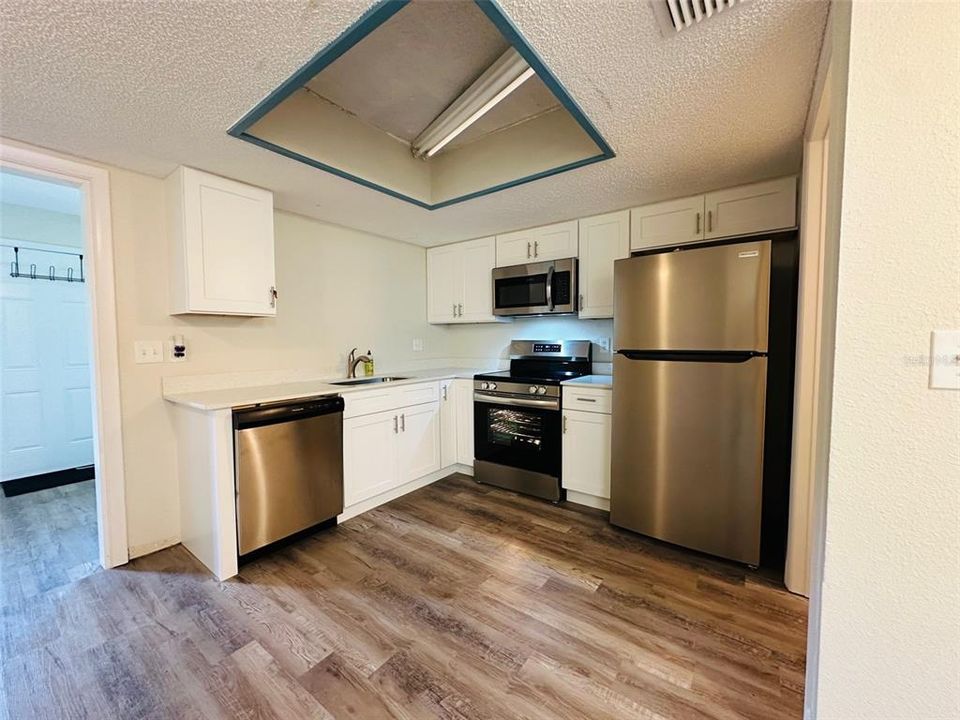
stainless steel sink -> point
(368, 381)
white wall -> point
(888, 610)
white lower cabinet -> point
(387, 449)
(393, 436)
(586, 451)
(448, 423)
(419, 441)
(370, 456)
(463, 392)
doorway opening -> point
(61, 456)
(48, 500)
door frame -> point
(105, 366)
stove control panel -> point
(537, 390)
(488, 385)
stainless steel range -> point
(517, 432)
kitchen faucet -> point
(353, 361)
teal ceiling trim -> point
(378, 14)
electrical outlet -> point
(148, 351)
(418, 344)
(604, 343)
(176, 349)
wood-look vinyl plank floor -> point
(456, 601)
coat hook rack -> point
(52, 270)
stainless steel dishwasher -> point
(289, 468)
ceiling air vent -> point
(677, 15)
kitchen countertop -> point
(252, 395)
(595, 381)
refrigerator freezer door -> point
(688, 453)
(714, 298)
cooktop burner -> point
(544, 362)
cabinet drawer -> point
(417, 394)
(364, 402)
(587, 399)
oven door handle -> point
(550, 288)
(518, 402)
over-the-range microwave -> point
(541, 288)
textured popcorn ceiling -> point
(150, 85)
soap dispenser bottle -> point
(368, 365)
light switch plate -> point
(418, 344)
(148, 351)
(604, 343)
(945, 360)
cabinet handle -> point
(394, 424)
(444, 392)
(564, 424)
(536, 248)
(460, 309)
(273, 296)
(583, 399)
(709, 220)
(454, 309)
(581, 302)
(528, 251)
(698, 223)
(403, 422)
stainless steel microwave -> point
(542, 288)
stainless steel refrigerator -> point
(689, 397)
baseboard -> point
(152, 547)
(592, 501)
(45, 481)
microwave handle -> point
(550, 289)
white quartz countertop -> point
(222, 399)
(596, 381)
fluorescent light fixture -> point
(506, 74)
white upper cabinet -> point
(476, 277)
(459, 282)
(443, 292)
(673, 222)
(603, 240)
(221, 246)
(749, 209)
(744, 210)
(550, 242)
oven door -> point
(518, 432)
(545, 288)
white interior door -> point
(45, 409)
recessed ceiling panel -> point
(396, 100)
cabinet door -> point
(515, 248)
(444, 278)
(464, 400)
(370, 456)
(603, 240)
(756, 208)
(226, 241)
(673, 222)
(553, 242)
(478, 258)
(448, 424)
(586, 453)
(419, 448)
